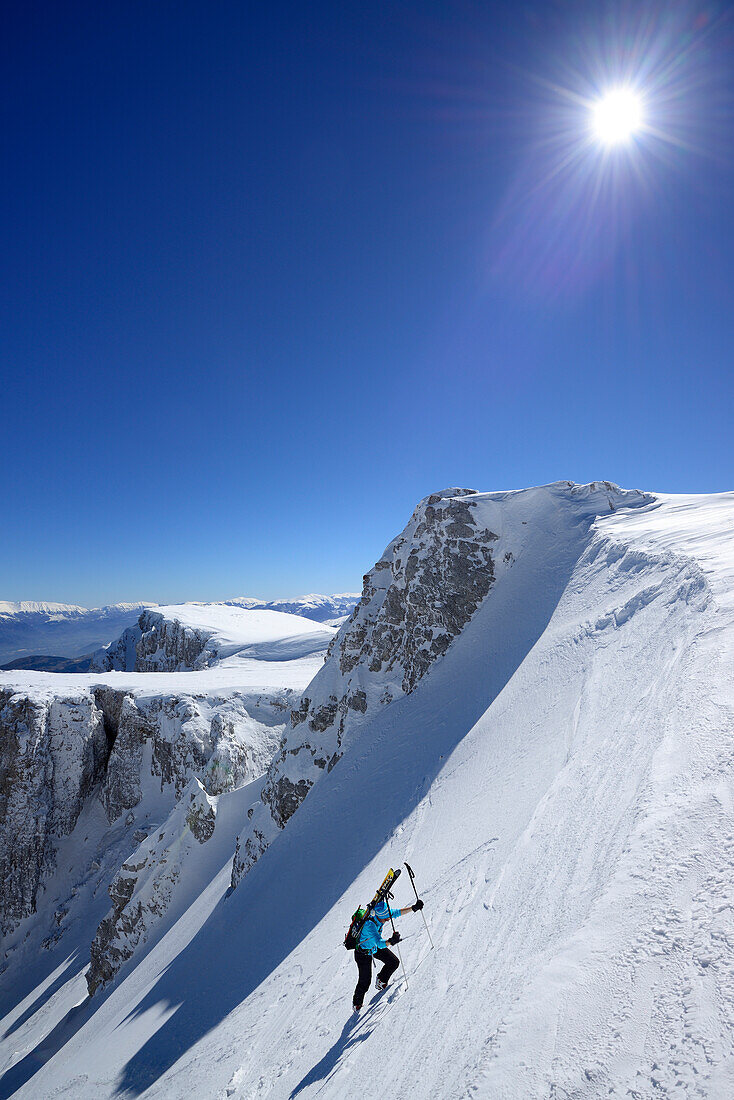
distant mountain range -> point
(59, 629)
(58, 637)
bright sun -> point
(617, 116)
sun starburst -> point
(617, 116)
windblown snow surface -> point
(561, 783)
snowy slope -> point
(561, 782)
(91, 765)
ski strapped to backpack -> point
(360, 918)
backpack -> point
(350, 940)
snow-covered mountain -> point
(322, 609)
(189, 636)
(533, 704)
(28, 629)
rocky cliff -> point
(120, 655)
(416, 600)
(418, 597)
(143, 758)
(157, 643)
(195, 636)
(114, 746)
(52, 753)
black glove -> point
(395, 938)
(418, 905)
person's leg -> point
(364, 966)
(389, 962)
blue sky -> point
(275, 272)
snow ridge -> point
(416, 600)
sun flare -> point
(617, 116)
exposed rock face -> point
(184, 738)
(51, 755)
(56, 753)
(157, 644)
(163, 640)
(415, 601)
(142, 890)
(166, 645)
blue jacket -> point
(370, 938)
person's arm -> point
(408, 909)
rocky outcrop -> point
(143, 889)
(106, 743)
(156, 643)
(418, 597)
(221, 741)
(193, 637)
(52, 753)
(167, 645)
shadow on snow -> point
(346, 821)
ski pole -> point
(400, 956)
(409, 869)
(400, 953)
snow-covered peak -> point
(66, 610)
(419, 597)
(39, 633)
(38, 607)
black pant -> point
(364, 965)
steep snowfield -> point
(560, 781)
